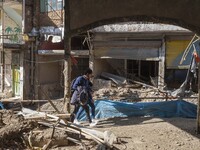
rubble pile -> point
(129, 94)
(13, 130)
(29, 129)
(136, 95)
(116, 93)
(54, 131)
(122, 89)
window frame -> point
(48, 5)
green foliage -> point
(8, 30)
(14, 34)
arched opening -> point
(141, 51)
(142, 19)
(89, 14)
(173, 41)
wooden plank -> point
(45, 147)
(22, 101)
(61, 116)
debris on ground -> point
(122, 89)
(45, 126)
(70, 132)
(30, 129)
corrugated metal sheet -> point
(61, 52)
(127, 53)
(122, 46)
(132, 44)
(174, 50)
(126, 46)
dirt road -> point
(154, 133)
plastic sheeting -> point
(1, 105)
(110, 109)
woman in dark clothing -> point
(81, 90)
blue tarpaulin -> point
(109, 109)
(1, 105)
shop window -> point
(142, 70)
(51, 5)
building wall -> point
(50, 80)
(11, 21)
(45, 74)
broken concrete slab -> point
(115, 78)
(101, 83)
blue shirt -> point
(81, 81)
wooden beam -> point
(61, 116)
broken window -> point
(142, 70)
(51, 5)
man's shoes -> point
(93, 123)
(76, 122)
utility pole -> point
(67, 58)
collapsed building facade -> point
(136, 51)
(141, 52)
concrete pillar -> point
(67, 62)
(67, 75)
(161, 70)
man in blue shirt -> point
(77, 98)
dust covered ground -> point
(139, 133)
(136, 133)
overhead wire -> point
(43, 62)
